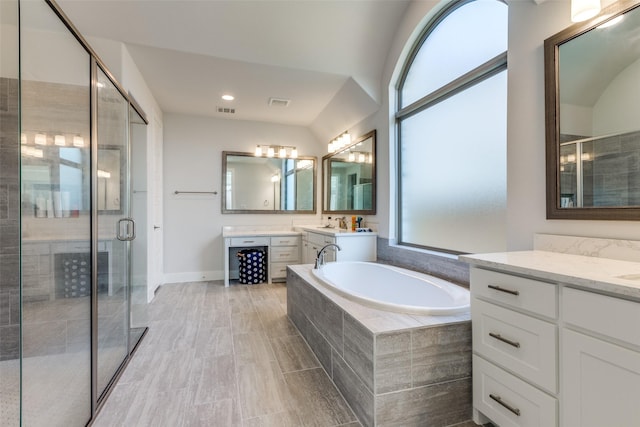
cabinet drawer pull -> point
(508, 291)
(248, 241)
(506, 405)
(505, 340)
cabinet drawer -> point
(517, 342)
(509, 401)
(35, 248)
(249, 241)
(613, 317)
(285, 241)
(320, 239)
(284, 253)
(526, 294)
(279, 270)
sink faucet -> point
(320, 257)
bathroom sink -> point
(327, 226)
(635, 276)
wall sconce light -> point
(60, 140)
(40, 139)
(283, 151)
(581, 10)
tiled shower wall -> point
(611, 172)
(9, 221)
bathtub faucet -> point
(320, 257)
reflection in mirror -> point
(110, 179)
(267, 184)
(592, 99)
(349, 178)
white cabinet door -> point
(601, 383)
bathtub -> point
(393, 289)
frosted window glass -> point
(468, 37)
(453, 179)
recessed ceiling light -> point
(228, 97)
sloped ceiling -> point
(308, 51)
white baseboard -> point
(194, 276)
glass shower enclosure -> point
(65, 221)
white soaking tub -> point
(394, 289)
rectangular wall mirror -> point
(592, 71)
(349, 178)
(253, 184)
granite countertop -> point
(335, 231)
(621, 278)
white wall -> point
(193, 224)
(119, 62)
(529, 25)
(193, 148)
(617, 108)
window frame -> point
(477, 75)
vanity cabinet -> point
(515, 345)
(284, 250)
(600, 360)
(281, 249)
(354, 246)
(549, 354)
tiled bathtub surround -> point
(393, 369)
(445, 267)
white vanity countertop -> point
(335, 231)
(266, 233)
(612, 276)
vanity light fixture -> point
(283, 151)
(40, 139)
(339, 142)
(581, 10)
(78, 141)
(228, 97)
(60, 140)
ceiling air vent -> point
(279, 102)
(226, 110)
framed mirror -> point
(592, 96)
(271, 185)
(349, 178)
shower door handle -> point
(126, 229)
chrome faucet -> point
(320, 257)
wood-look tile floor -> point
(217, 356)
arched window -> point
(451, 129)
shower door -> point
(115, 229)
